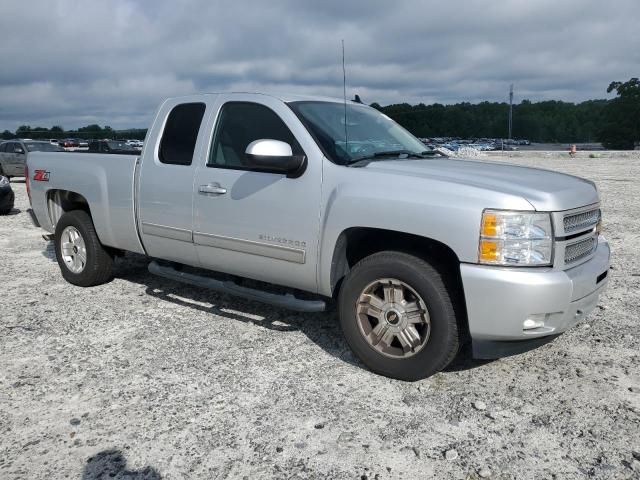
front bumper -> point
(499, 300)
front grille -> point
(581, 221)
(576, 251)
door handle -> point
(212, 189)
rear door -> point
(10, 160)
(251, 223)
(176, 144)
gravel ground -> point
(145, 378)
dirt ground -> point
(146, 378)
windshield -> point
(43, 147)
(367, 131)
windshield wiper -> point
(389, 153)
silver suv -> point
(13, 155)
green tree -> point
(23, 131)
(548, 121)
(621, 124)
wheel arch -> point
(60, 202)
(355, 243)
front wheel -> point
(82, 259)
(397, 316)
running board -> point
(287, 301)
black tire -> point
(8, 204)
(443, 341)
(98, 268)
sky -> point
(72, 63)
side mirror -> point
(18, 150)
(276, 157)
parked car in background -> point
(13, 155)
(115, 147)
(6, 196)
(54, 141)
(137, 144)
(69, 143)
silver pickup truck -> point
(334, 201)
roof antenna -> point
(344, 93)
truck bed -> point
(105, 181)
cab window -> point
(181, 133)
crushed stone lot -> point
(147, 378)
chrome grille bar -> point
(581, 221)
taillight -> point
(27, 182)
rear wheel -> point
(82, 259)
(397, 316)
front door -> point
(19, 159)
(251, 223)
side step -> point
(285, 301)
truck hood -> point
(545, 190)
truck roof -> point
(285, 97)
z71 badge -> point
(40, 176)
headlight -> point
(4, 181)
(515, 238)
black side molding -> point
(602, 276)
(287, 301)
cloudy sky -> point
(71, 63)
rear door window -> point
(181, 133)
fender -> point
(428, 208)
(107, 191)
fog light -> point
(534, 321)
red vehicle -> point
(69, 143)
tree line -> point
(548, 121)
(615, 122)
